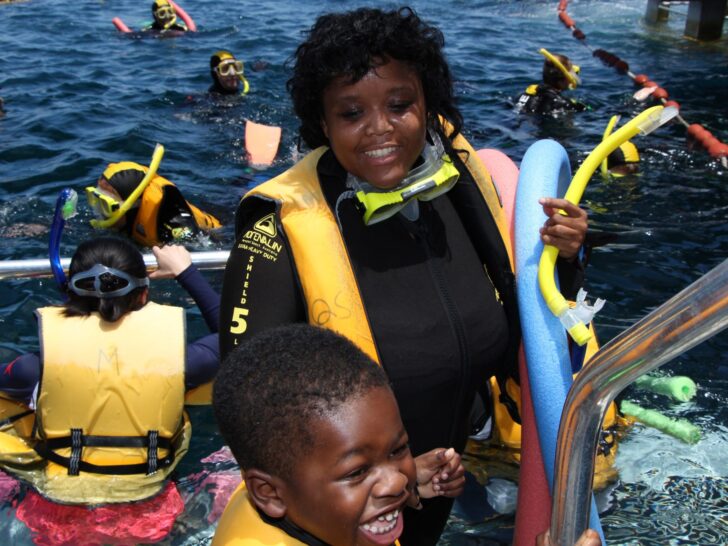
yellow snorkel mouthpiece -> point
(135, 195)
(570, 75)
(246, 85)
(643, 124)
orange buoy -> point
(650, 83)
(660, 93)
(718, 150)
(640, 79)
(673, 103)
(568, 21)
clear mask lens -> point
(230, 68)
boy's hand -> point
(440, 473)
(564, 232)
(588, 538)
(172, 260)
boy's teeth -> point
(389, 520)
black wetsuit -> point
(547, 100)
(202, 357)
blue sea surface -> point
(80, 95)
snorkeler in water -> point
(559, 75)
(165, 17)
(160, 214)
(227, 74)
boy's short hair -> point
(271, 387)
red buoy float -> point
(640, 79)
(660, 93)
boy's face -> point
(350, 489)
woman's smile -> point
(377, 125)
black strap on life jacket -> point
(12, 419)
(77, 441)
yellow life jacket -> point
(324, 270)
(241, 525)
(146, 229)
(110, 424)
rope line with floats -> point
(718, 150)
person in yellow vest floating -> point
(559, 75)
(99, 417)
(227, 74)
(159, 215)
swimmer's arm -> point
(202, 360)
(176, 262)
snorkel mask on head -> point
(626, 154)
(433, 177)
(164, 13)
(571, 75)
(224, 65)
(123, 284)
(108, 208)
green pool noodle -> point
(679, 387)
(681, 429)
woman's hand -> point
(565, 232)
(440, 473)
(172, 260)
(588, 538)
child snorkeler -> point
(325, 459)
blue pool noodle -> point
(545, 172)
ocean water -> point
(79, 95)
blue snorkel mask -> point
(65, 209)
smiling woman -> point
(389, 232)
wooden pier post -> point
(705, 19)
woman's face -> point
(377, 125)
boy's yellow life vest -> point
(319, 252)
(241, 525)
(110, 423)
(146, 223)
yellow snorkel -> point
(568, 74)
(135, 195)
(644, 123)
(608, 131)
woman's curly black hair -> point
(350, 44)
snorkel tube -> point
(608, 131)
(135, 195)
(575, 320)
(568, 74)
(66, 205)
(183, 15)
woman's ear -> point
(325, 128)
(265, 492)
(144, 296)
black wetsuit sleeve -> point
(19, 377)
(260, 289)
(202, 360)
(204, 295)
(571, 276)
